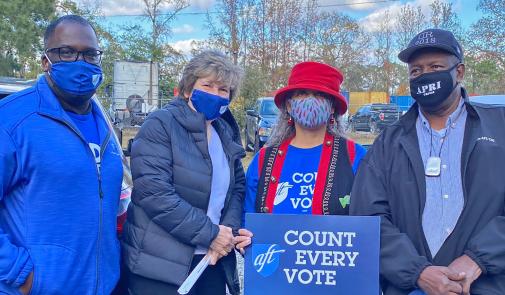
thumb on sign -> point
(243, 240)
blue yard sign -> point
(308, 254)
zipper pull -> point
(99, 169)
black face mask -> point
(432, 89)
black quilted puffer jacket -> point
(172, 174)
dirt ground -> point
(364, 138)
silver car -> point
(498, 100)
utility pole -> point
(150, 94)
(233, 29)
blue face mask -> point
(211, 105)
(77, 78)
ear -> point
(460, 72)
(45, 63)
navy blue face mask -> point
(211, 105)
(78, 78)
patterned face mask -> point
(311, 112)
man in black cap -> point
(436, 179)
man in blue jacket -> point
(60, 174)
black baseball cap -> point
(432, 38)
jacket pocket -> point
(54, 271)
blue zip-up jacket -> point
(57, 206)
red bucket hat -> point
(317, 77)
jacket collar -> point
(48, 103)
(50, 106)
(225, 126)
(233, 145)
(192, 121)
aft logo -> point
(266, 258)
(282, 192)
(96, 79)
(429, 89)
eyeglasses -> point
(69, 54)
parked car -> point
(259, 123)
(12, 85)
(374, 117)
(498, 100)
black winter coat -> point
(391, 183)
(172, 173)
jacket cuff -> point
(23, 275)
(476, 259)
(417, 274)
(213, 234)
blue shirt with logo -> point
(297, 182)
(87, 126)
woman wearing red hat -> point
(307, 166)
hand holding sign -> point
(223, 243)
(243, 240)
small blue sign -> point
(307, 254)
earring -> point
(332, 120)
(290, 121)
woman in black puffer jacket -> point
(188, 186)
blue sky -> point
(191, 23)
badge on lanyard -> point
(433, 166)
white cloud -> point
(184, 46)
(122, 7)
(348, 5)
(202, 4)
(184, 29)
(372, 21)
(136, 7)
